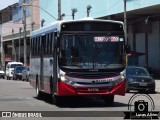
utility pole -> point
(19, 52)
(59, 9)
(2, 50)
(13, 47)
(125, 31)
(125, 23)
(24, 23)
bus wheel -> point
(109, 100)
(56, 100)
(38, 92)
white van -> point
(10, 67)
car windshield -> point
(137, 71)
(15, 65)
(91, 51)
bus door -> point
(42, 47)
(55, 63)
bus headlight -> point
(122, 78)
(67, 81)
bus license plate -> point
(143, 84)
(93, 89)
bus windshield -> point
(91, 51)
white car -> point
(10, 67)
(2, 74)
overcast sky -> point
(6, 3)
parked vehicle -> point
(17, 72)
(2, 74)
(139, 79)
(25, 74)
(10, 67)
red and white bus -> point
(79, 58)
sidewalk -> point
(157, 86)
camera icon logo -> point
(141, 109)
(141, 106)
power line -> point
(21, 23)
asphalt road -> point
(20, 96)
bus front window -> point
(91, 51)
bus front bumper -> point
(68, 90)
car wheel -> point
(152, 90)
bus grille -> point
(92, 75)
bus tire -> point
(109, 100)
(56, 99)
(38, 92)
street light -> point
(63, 15)
(25, 5)
(88, 10)
(74, 10)
(42, 22)
(32, 24)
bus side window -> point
(52, 45)
(48, 44)
(32, 47)
(38, 46)
(36, 51)
(46, 47)
(44, 44)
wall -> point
(17, 11)
(154, 46)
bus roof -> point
(55, 26)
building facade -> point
(143, 23)
(12, 31)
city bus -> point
(79, 58)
